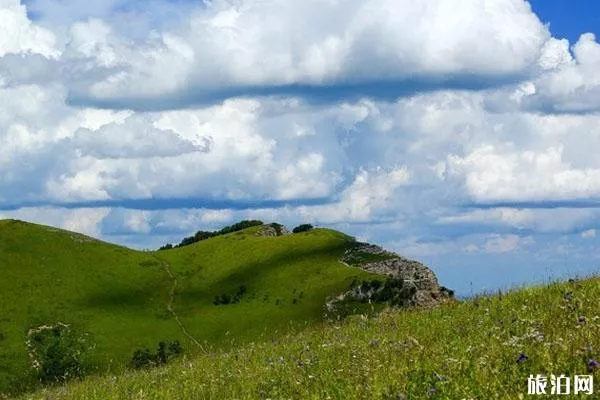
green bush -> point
(164, 353)
(224, 299)
(203, 235)
(240, 226)
(278, 228)
(57, 353)
(394, 291)
(303, 228)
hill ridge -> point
(234, 288)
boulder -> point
(409, 278)
(272, 230)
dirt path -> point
(167, 268)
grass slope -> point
(122, 297)
(484, 348)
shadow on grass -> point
(127, 297)
(253, 272)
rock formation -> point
(272, 230)
(404, 282)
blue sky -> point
(569, 19)
(460, 135)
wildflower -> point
(592, 365)
(522, 358)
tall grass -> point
(483, 348)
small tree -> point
(164, 353)
(303, 228)
(57, 353)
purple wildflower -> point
(592, 365)
(522, 358)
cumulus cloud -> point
(589, 234)
(83, 220)
(373, 195)
(426, 112)
(136, 137)
(248, 46)
(568, 81)
(18, 35)
(496, 175)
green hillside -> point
(129, 300)
(485, 348)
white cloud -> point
(19, 35)
(383, 168)
(568, 82)
(372, 195)
(135, 137)
(92, 39)
(252, 43)
(82, 220)
(550, 220)
(493, 175)
(501, 243)
(589, 234)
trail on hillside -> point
(170, 308)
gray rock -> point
(272, 230)
(420, 283)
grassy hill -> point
(129, 300)
(484, 348)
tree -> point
(57, 353)
(164, 353)
(303, 228)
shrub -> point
(167, 246)
(203, 235)
(57, 353)
(224, 299)
(303, 228)
(450, 292)
(279, 229)
(164, 353)
(394, 291)
(240, 226)
(141, 359)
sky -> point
(462, 134)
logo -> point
(560, 385)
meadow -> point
(248, 311)
(483, 348)
(128, 300)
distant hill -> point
(249, 285)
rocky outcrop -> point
(272, 230)
(404, 282)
